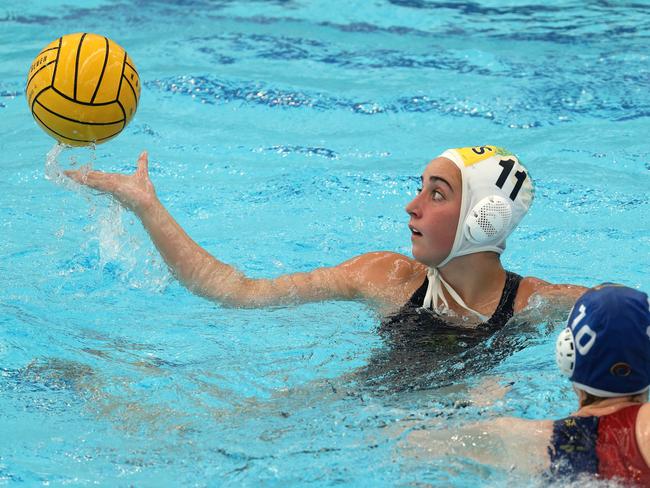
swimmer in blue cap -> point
(470, 201)
(605, 352)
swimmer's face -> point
(435, 211)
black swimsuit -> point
(420, 343)
(413, 314)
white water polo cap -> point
(497, 192)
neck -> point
(478, 278)
(608, 405)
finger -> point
(143, 164)
(73, 174)
(93, 179)
(79, 176)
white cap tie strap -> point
(435, 298)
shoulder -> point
(643, 417)
(530, 287)
(644, 413)
(386, 277)
(527, 288)
(384, 266)
(642, 431)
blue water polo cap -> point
(605, 349)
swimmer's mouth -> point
(414, 231)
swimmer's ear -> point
(143, 164)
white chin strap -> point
(435, 297)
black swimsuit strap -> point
(418, 297)
(505, 309)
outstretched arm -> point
(509, 443)
(563, 296)
(377, 277)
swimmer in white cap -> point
(605, 352)
(471, 199)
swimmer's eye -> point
(436, 195)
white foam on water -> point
(115, 245)
(53, 171)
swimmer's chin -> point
(420, 259)
(428, 261)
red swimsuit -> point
(605, 446)
(617, 450)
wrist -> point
(146, 206)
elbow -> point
(238, 292)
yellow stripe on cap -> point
(476, 154)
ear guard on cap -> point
(605, 350)
(488, 220)
(496, 194)
(565, 352)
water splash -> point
(53, 168)
(117, 249)
(53, 171)
(114, 243)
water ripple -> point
(8, 94)
(210, 90)
(285, 150)
(533, 109)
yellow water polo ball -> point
(83, 89)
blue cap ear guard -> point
(605, 349)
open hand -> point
(134, 191)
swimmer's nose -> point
(412, 208)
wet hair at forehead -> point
(453, 178)
(435, 179)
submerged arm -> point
(512, 444)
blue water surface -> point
(286, 135)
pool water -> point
(286, 135)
